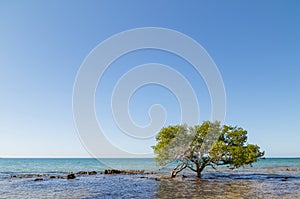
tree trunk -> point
(173, 174)
(177, 169)
(199, 169)
(198, 172)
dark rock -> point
(71, 176)
(52, 176)
(82, 173)
(130, 172)
(92, 173)
(38, 179)
(87, 173)
(113, 171)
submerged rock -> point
(38, 179)
(113, 171)
(82, 173)
(129, 172)
(30, 175)
(71, 176)
(92, 173)
(87, 173)
(290, 169)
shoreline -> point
(282, 173)
(140, 184)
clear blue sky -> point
(255, 44)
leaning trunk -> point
(173, 174)
(177, 169)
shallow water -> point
(267, 179)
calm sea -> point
(269, 178)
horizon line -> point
(85, 157)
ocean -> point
(46, 178)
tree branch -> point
(191, 168)
(213, 166)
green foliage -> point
(166, 135)
(168, 140)
(208, 144)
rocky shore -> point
(69, 176)
(143, 173)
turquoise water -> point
(35, 165)
(46, 165)
(269, 178)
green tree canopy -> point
(209, 144)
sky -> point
(255, 45)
